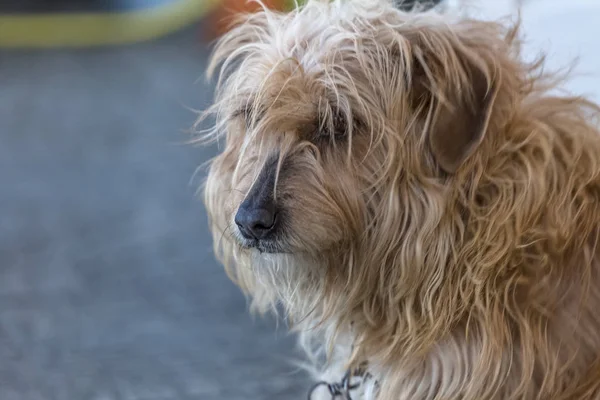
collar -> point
(342, 389)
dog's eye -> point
(340, 126)
(336, 128)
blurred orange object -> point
(219, 21)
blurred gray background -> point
(108, 286)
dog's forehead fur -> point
(313, 36)
(322, 54)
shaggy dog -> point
(416, 198)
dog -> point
(416, 199)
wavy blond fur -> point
(480, 282)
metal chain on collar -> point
(341, 389)
(409, 5)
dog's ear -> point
(454, 90)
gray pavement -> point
(108, 286)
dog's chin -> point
(264, 246)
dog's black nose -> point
(255, 222)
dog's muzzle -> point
(257, 218)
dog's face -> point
(339, 126)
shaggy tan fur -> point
(440, 205)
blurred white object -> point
(565, 30)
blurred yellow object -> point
(84, 29)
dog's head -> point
(344, 127)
